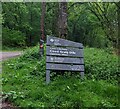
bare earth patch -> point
(8, 105)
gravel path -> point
(7, 55)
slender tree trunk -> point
(118, 41)
(62, 20)
(42, 20)
(31, 23)
(55, 19)
(42, 29)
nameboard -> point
(63, 55)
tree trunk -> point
(31, 24)
(118, 42)
(55, 19)
(42, 20)
(62, 20)
(42, 29)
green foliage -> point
(12, 38)
(7, 48)
(93, 24)
(24, 82)
(24, 17)
(100, 64)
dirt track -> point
(7, 55)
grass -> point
(5, 48)
(24, 82)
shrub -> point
(100, 64)
(12, 37)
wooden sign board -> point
(62, 42)
(64, 55)
(51, 66)
(59, 51)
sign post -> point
(41, 48)
(63, 55)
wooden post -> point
(47, 76)
(82, 75)
(41, 48)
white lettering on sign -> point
(57, 42)
(62, 51)
(51, 40)
(72, 52)
(57, 59)
(54, 51)
(51, 59)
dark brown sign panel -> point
(65, 67)
(65, 60)
(62, 42)
(59, 51)
(64, 55)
